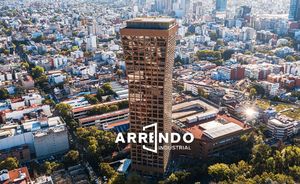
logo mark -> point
(154, 138)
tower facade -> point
(149, 46)
(221, 5)
(294, 13)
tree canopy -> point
(64, 110)
(3, 94)
(9, 163)
(37, 72)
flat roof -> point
(279, 123)
(210, 125)
(222, 130)
(124, 166)
(152, 20)
(198, 129)
(104, 116)
(89, 107)
(192, 109)
(36, 126)
(163, 23)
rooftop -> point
(163, 23)
(186, 111)
(103, 116)
(222, 130)
(20, 175)
(216, 128)
(37, 126)
(278, 123)
(89, 107)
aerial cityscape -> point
(150, 91)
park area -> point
(290, 110)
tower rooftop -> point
(162, 23)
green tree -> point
(219, 172)
(172, 179)
(273, 178)
(270, 164)
(25, 65)
(9, 163)
(295, 173)
(123, 104)
(99, 143)
(64, 110)
(100, 93)
(243, 179)
(178, 177)
(37, 72)
(107, 170)
(73, 124)
(71, 158)
(242, 168)
(42, 82)
(50, 167)
(113, 108)
(290, 58)
(227, 54)
(4, 94)
(49, 101)
(107, 88)
(291, 154)
(259, 89)
(260, 155)
(91, 99)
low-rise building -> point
(44, 137)
(20, 175)
(213, 133)
(280, 129)
(99, 120)
(27, 81)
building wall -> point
(17, 140)
(51, 143)
(280, 132)
(21, 153)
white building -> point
(190, 87)
(280, 129)
(60, 61)
(44, 137)
(33, 99)
(77, 54)
(19, 114)
(53, 140)
(91, 42)
(292, 68)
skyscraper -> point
(221, 5)
(294, 13)
(149, 46)
(163, 6)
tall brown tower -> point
(149, 46)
